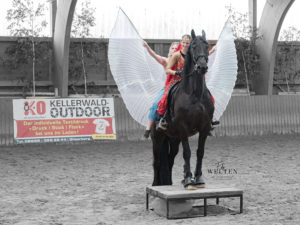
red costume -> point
(171, 79)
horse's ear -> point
(203, 34)
(193, 34)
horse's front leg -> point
(199, 181)
(187, 183)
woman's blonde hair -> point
(172, 44)
(186, 36)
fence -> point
(6, 121)
(245, 115)
(16, 69)
(260, 115)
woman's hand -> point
(161, 60)
(145, 44)
(213, 49)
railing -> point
(245, 115)
(6, 121)
(261, 115)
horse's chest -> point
(196, 111)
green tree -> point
(26, 21)
(83, 21)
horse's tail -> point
(164, 170)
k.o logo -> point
(34, 108)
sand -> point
(104, 183)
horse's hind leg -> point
(174, 148)
(199, 181)
(187, 183)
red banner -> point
(63, 127)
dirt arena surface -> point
(104, 183)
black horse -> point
(191, 110)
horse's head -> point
(199, 51)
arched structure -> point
(61, 43)
(271, 20)
(270, 24)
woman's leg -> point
(149, 125)
(153, 113)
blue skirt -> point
(153, 115)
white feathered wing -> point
(139, 77)
(222, 70)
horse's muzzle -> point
(201, 67)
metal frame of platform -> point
(174, 193)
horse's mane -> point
(188, 69)
(187, 61)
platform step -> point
(176, 202)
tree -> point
(246, 37)
(287, 59)
(81, 27)
(26, 21)
(290, 34)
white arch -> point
(271, 20)
(61, 44)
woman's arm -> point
(212, 50)
(174, 59)
(161, 60)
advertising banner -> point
(70, 119)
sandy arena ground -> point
(104, 183)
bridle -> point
(196, 65)
(195, 60)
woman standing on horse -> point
(164, 62)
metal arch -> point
(61, 43)
(271, 20)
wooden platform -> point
(173, 193)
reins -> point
(191, 73)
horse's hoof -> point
(190, 187)
(188, 184)
(200, 185)
(199, 182)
